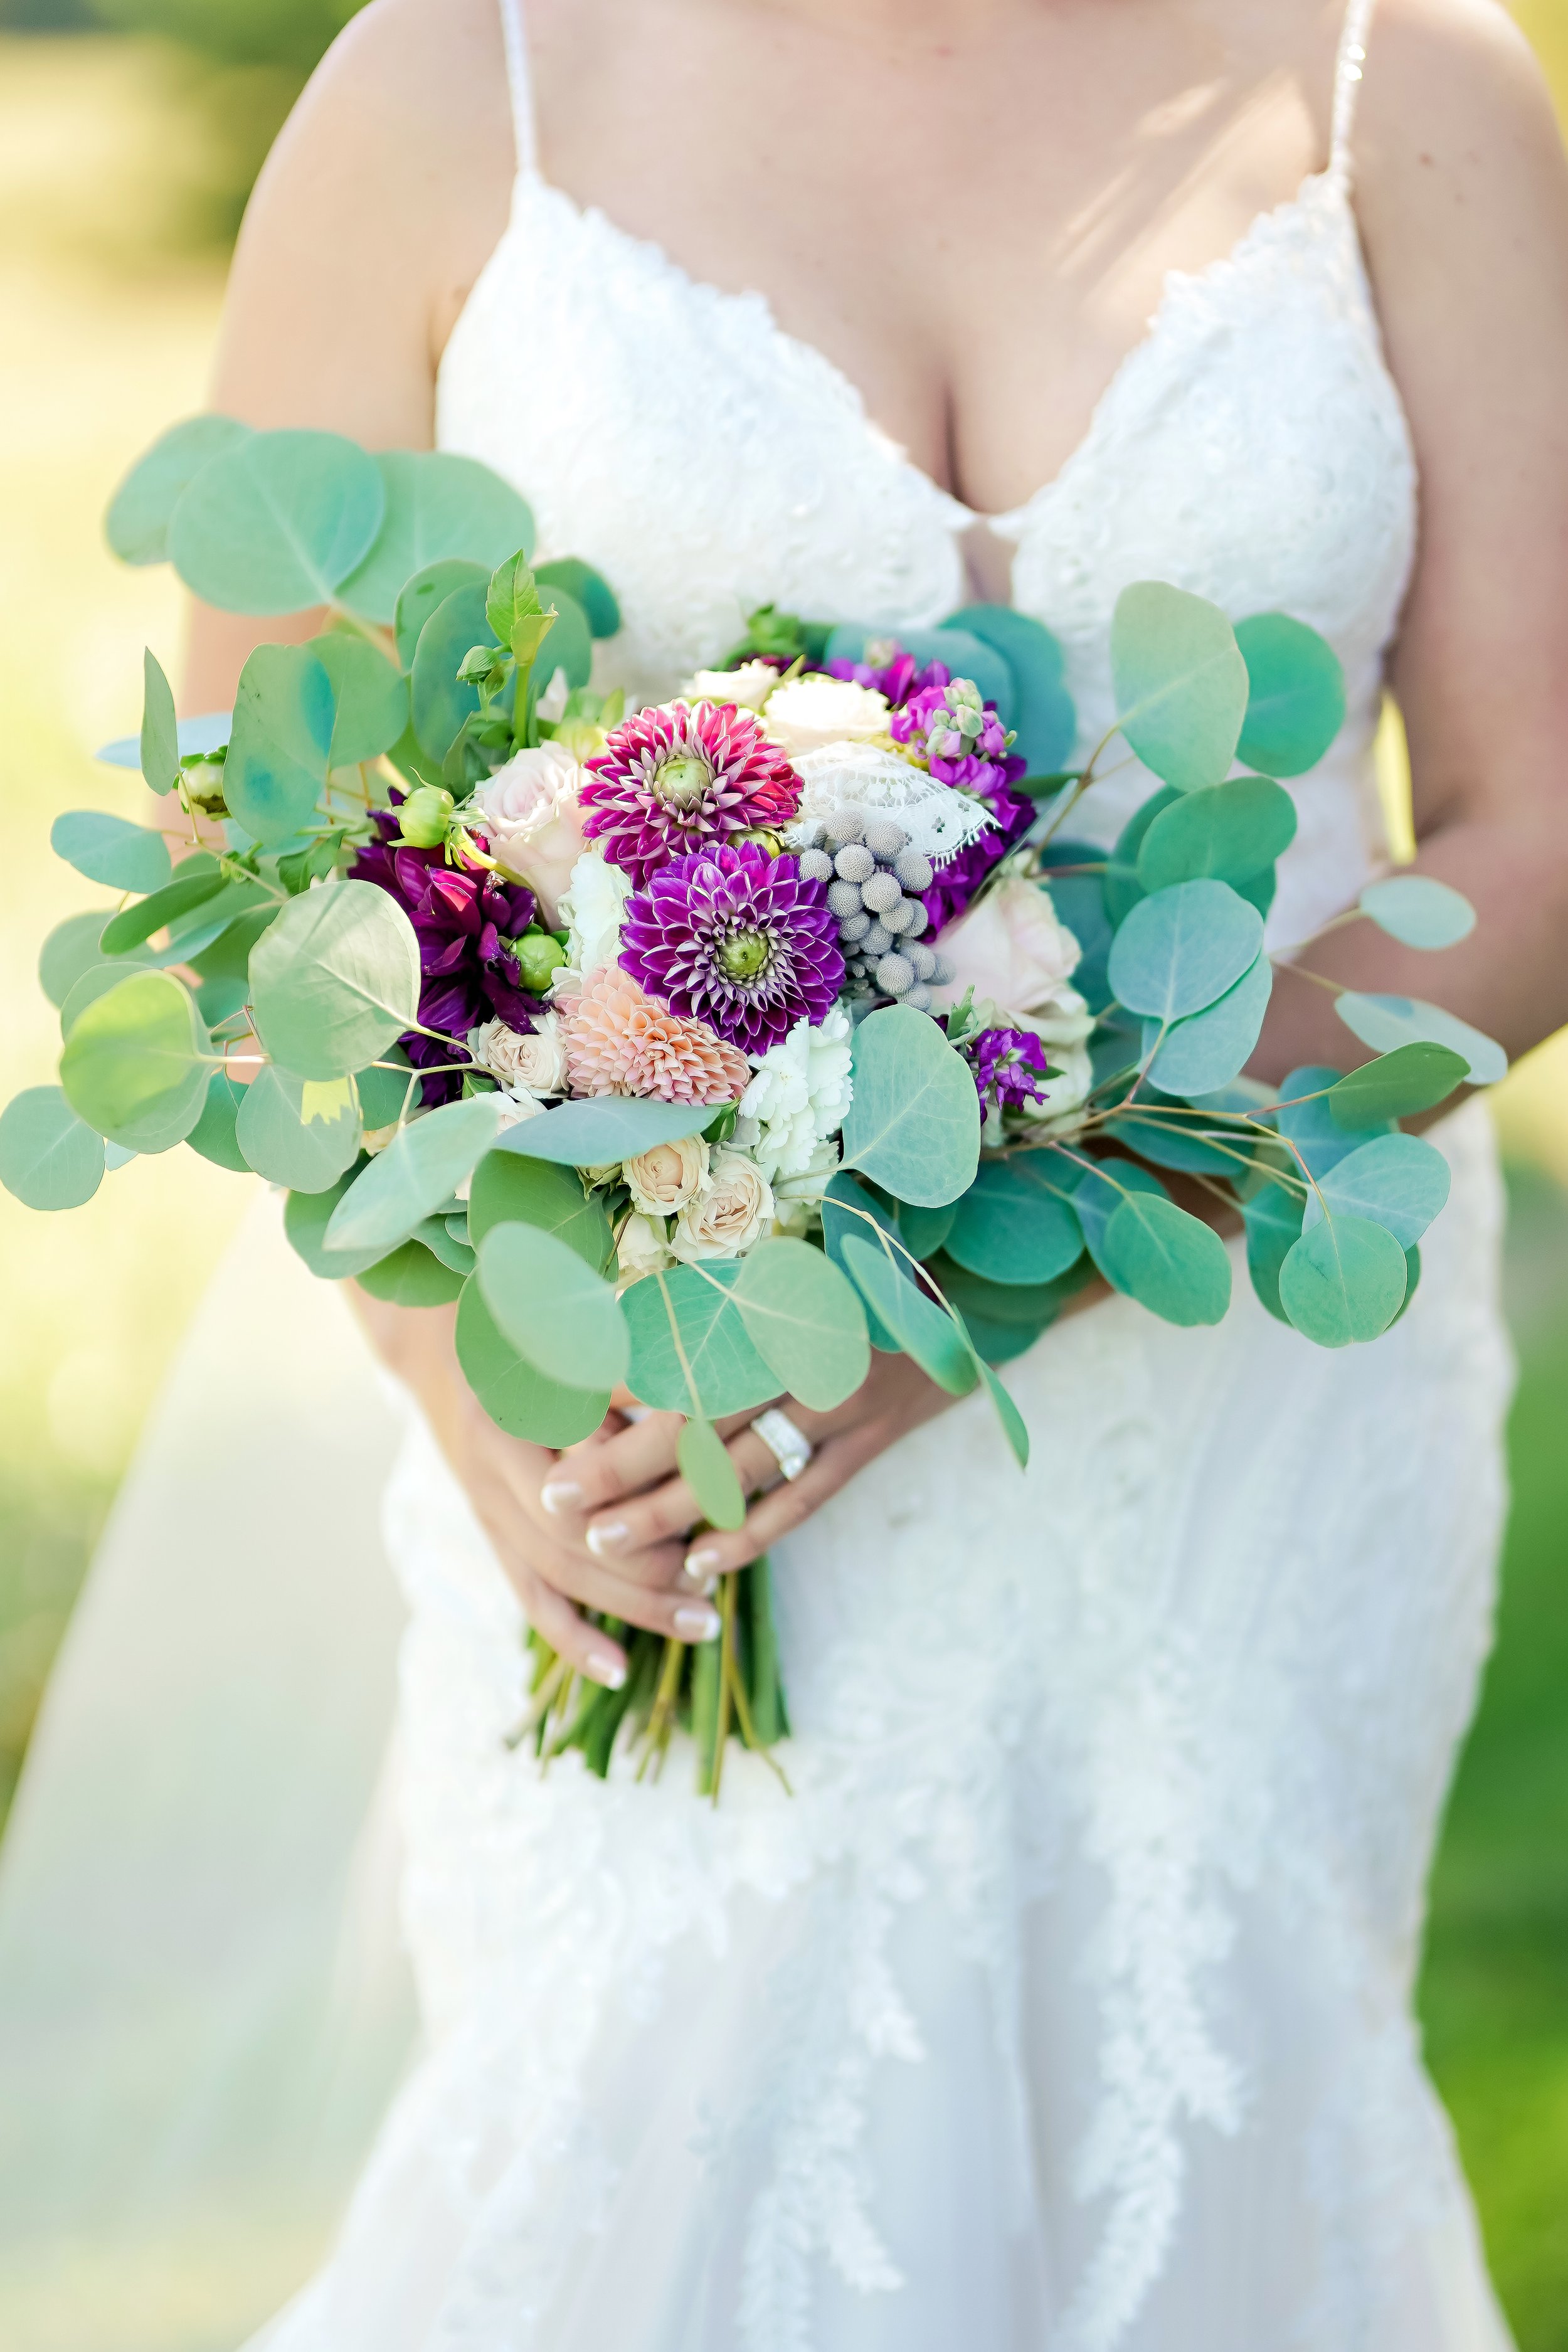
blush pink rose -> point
(1009, 947)
(530, 817)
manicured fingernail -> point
(701, 1565)
(604, 1668)
(696, 1624)
(613, 1537)
(560, 1495)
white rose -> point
(530, 1062)
(528, 810)
(810, 712)
(733, 1208)
(640, 1249)
(594, 907)
(747, 688)
(664, 1180)
(800, 1094)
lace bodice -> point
(1252, 447)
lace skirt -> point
(1066, 2003)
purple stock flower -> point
(1009, 1068)
(896, 678)
(464, 918)
(952, 886)
(737, 938)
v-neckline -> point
(1012, 521)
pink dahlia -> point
(619, 1042)
(737, 938)
(670, 779)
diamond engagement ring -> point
(790, 1447)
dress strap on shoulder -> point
(520, 77)
(1348, 68)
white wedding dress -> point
(1066, 2006)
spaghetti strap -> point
(1348, 67)
(520, 78)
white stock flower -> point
(641, 1248)
(747, 688)
(734, 1207)
(661, 1182)
(811, 712)
(530, 1062)
(800, 1093)
(594, 907)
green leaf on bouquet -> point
(276, 522)
(1169, 1262)
(231, 910)
(227, 955)
(299, 1133)
(199, 878)
(1120, 885)
(913, 1126)
(1396, 1180)
(1398, 1085)
(1273, 1221)
(440, 506)
(420, 596)
(411, 1179)
(111, 849)
(570, 644)
(136, 1063)
(1182, 949)
(554, 1309)
(846, 1208)
(1079, 900)
(137, 523)
(370, 698)
(1227, 834)
(386, 1093)
(1042, 713)
(213, 1134)
(1099, 1191)
(1015, 1223)
(517, 1397)
(1418, 911)
(587, 588)
(805, 1320)
(72, 949)
(513, 606)
(923, 1230)
(437, 1235)
(412, 1276)
(1024, 1306)
(306, 1217)
(1014, 1429)
(336, 979)
(706, 1467)
(442, 701)
(89, 989)
(612, 1127)
(1296, 695)
(1179, 1144)
(1310, 1124)
(284, 714)
(727, 1372)
(1206, 1050)
(49, 1158)
(540, 1193)
(1345, 1281)
(158, 748)
(924, 1330)
(1181, 683)
(1384, 1022)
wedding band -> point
(790, 1447)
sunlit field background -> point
(129, 131)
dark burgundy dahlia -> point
(737, 938)
(670, 779)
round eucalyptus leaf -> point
(299, 1133)
(199, 878)
(558, 1314)
(849, 1208)
(49, 1158)
(1230, 833)
(1398, 1085)
(444, 1238)
(805, 1320)
(276, 522)
(1296, 695)
(1396, 1180)
(1014, 1224)
(1345, 1281)
(370, 698)
(111, 850)
(136, 1063)
(420, 596)
(307, 1215)
(158, 745)
(914, 1123)
(137, 523)
(1181, 683)
(1418, 911)
(412, 1276)
(208, 732)
(72, 949)
(1179, 1144)
(1182, 949)
(586, 588)
(1100, 1192)
(570, 644)
(387, 1093)
(925, 1333)
(281, 741)
(1014, 1426)
(727, 1372)
(1384, 1022)
(1306, 1119)
(506, 1188)
(923, 1230)
(213, 1134)
(705, 1464)
(334, 979)
(442, 701)
(417, 1173)
(1273, 1221)
(519, 1398)
(1207, 1049)
(439, 507)
(1171, 1262)
(613, 1127)
(94, 983)
(1120, 885)
(1042, 711)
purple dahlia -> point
(465, 917)
(896, 678)
(670, 779)
(737, 938)
(1009, 1068)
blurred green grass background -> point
(128, 133)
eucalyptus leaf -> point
(412, 1276)
(1099, 1192)
(437, 1236)
(207, 732)
(387, 1093)
(199, 878)
(1384, 1022)
(299, 1133)
(612, 1126)
(1120, 885)
(587, 588)
(427, 588)
(158, 745)
(1019, 1308)
(1396, 1180)
(442, 702)
(1343, 1281)
(276, 522)
(569, 644)
(727, 1372)
(284, 715)
(1179, 1144)
(1181, 683)
(370, 698)
(411, 1179)
(440, 506)
(539, 1192)
(136, 1063)
(307, 1215)
(554, 1309)
(1182, 949)
(49, 1156)
(1227, 834)
(1014, 1426)
(1273, 1222)
(213, 1134)
(1418, 911)
(923, 1230)
(72, 949)
(1208, 1048)
(805, 1320)
(1015, 1224)
(1396, 1085)
(706, 1467)
(1042, 710)
(1169, 1262)
(518, 1398)
(92, 984)
(111, 850)
(845, 1207)
(137, 523)
(1296, 695)
(1308, 1124)
(336, 979)
(914, 1125)
(928, 1336)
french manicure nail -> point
(696, 1624)
(701, 1565)
(603, 1668)
(560, 1495)
(614, 1537)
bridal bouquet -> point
(696, 1050)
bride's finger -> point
(590, 1477)
(584, 1646)
(782, 1508)
(634, 1532)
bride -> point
(1066, 2003)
